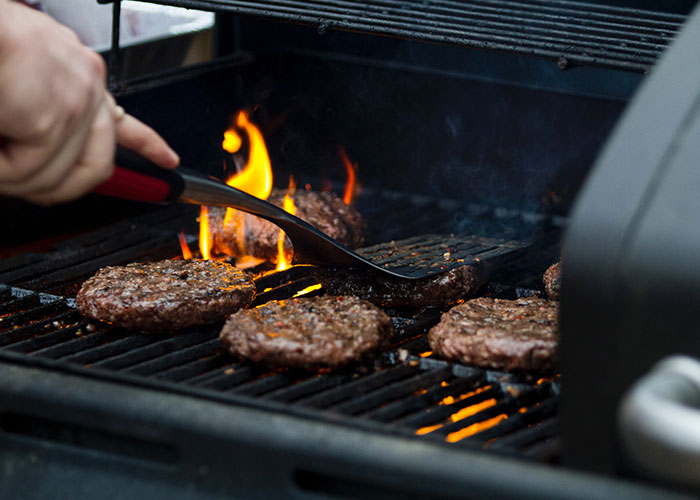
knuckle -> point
(41, 126)
(97, 65)
(74, 107)
(104, 172)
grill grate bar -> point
(18, 304)
(581, 33)
(310, 386)
(37, 329)
(538, 432)
(393, 391)
(29, 316)
(518, 420)
(415, 402)
(153, 349)
(57, 281)
(66, 259)
(264, 384)
(196, 367)
(81, 343)
(357, 387)
(231, 377)
(438, 414)
(64, 334)
(118, 346)
(174, 359)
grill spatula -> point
(137, 179)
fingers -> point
(94, 166)
(54, 169)
(142, 139)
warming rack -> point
(571, 33)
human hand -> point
(58, 123)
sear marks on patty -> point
(552, 281)
(440, 290)
(309, 333)
(165, 296)
(503, 334)
(325, 211)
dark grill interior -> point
(404, 391)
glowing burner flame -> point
(205, 238)
(186, 252)
(350, 184)
(284, 260)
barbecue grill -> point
(477, 152)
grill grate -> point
(404, 391)
(571, 32)
(401, 394)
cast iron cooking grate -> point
(404, 391)
(573, 33)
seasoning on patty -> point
(165, 296)
(503, 334)
(309, 333)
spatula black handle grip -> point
(138, 179)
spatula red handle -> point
(136, 178)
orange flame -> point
(186, 252)
(205, 238)
(464, 412)
(350, 185)
(470, 430)
(232, 141)
(256, 177)
(308, 289)
(284, 260)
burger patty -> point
(552, 281)
(440, 290)
(324, 211)
(165, 296)
(503, 334)
(310, 333)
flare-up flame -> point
(205, 238)
(186, 252)
(351, 168)
(255, 179)
(283, 259)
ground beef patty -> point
(324, 211)
(165, 296)
(504, 334)
(552, 281)
(440, 290)
(308, 333)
